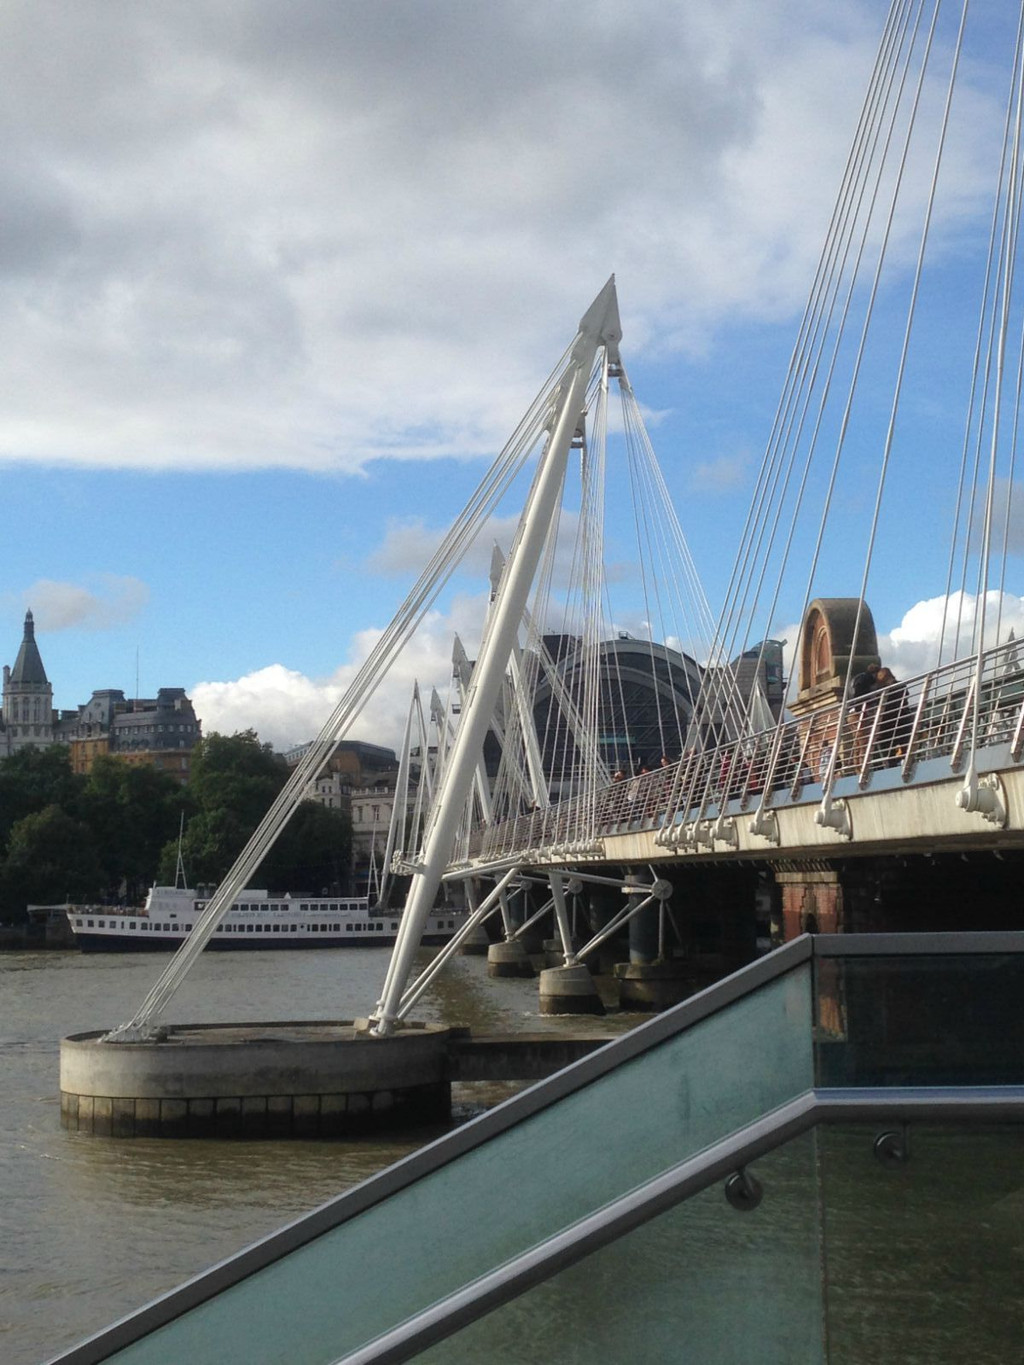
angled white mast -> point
(599, 327)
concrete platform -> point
(280, 1080)
(255, 1080)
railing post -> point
(956, 757)
(865, 765)
(907, 768)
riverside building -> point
(158, 731)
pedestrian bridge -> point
(843, 781)
(856, 487)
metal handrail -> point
(674, 1186)
(929, 716)
(519, 1108)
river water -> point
(91, 1228)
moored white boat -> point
(256, 920)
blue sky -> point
(278, 281)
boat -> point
(257, 919)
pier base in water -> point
(569, 990)
(255, 1080)
(508, 959)
(653, 985)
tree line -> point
(107, 836)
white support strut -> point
(599, 326)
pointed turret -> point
(28, 697)
(28, 666)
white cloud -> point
(912, 647)
(243, 234)
(409, 544)
(723, 474)
(112, 600)
(285, 707)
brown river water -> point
(91, 1228)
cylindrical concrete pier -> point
(653, 985)
(476, 943)
(255, 1080)
(508, 959)
(569, 990)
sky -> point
(277, 281)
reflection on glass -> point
(702, 1284)
(925, 1258)
(939, 1020)
(510, 1193)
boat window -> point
(89, 923)
(131, 924)
(336, 928)
(292, 928)
(102, 924)
(333, 908)
(379, 927)
(394, 924)
(304, 907)
(276, 928)
(349, 928)
(249, 928)
(188, 928)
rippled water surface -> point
(94, 1227)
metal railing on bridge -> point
(939, 714)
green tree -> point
(132, 812)
(236, 773)
(31, 780)
(50, 858)
(312, 854)
(235, 779)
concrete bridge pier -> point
(508, 958)
(651, 979)
(479, 940)
(511, 957)
(569, 989)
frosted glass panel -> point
(508, 1194)
(701, 1284)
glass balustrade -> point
(868, 1245)
(806, 1275)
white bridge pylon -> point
(555, 423)
(599, 328)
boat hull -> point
(115, 943)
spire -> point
(28, 666)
